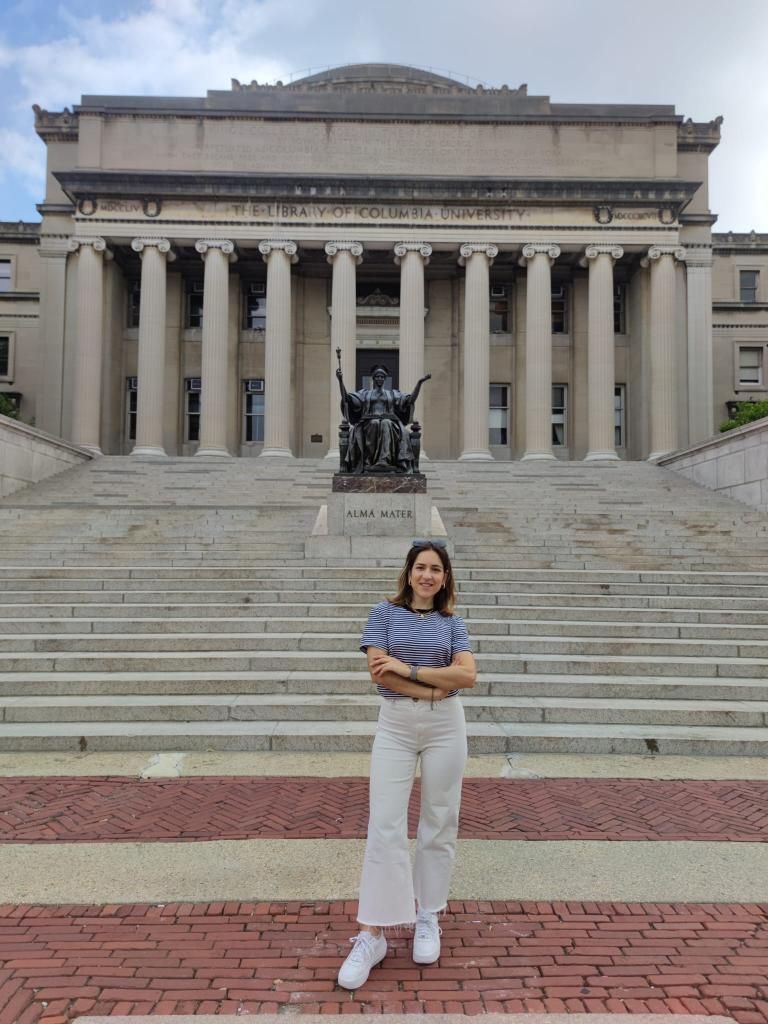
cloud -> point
(23, 156)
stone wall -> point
(734, 463)
(28, 456)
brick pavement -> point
(119, 809)
(58, 962)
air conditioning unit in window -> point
(498, 291)
(254, 387)
(194, 384)
(257, 288)
(133, 383)
(197, 287)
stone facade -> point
(551, 265)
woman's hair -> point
(445, 598)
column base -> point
(220, 453)
(150, 449)
(476, 455)
(606, 456)
(276, 453)
(538, 457)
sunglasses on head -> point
(423, 542)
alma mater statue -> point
(377, 440)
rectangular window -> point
(619, 416)
(131, 406)
(5, 355)
(192, 409)
(255, 312)
(559, 415)
(499, 309)
(5, 275)
(748, 285)
(194, 304)
(498, 414)
(619, 309)
(559, 309)
(134, 302)
(253, 411)
(750, 367)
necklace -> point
(421, 612)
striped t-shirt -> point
(429, 642)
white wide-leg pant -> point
(437, 734)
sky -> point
(705, 57)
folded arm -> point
(461, 674)
(396, 682)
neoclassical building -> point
(199, 262)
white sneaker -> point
(367, 951)
(426, 938)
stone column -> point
(698, 262)
(86, 392)
(278, 256)
(154, 253)
(664, 396)
(344, 257)
(53, 253)
(217, 254)
(601, 361)
(538, 349)
(477, 258)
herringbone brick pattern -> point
(59, 962)
(119, 809)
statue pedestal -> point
(374, 516)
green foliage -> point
(8, 408)
(746, 412)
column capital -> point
(596, 249)
(270, 245)
(161, 244)
(698, 257)
(334, 248)
(424, 249)
(96, 243)
(470, 249)
(204, 245)
(531, 249)
(657, 251)
(54, 247)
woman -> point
(419, 658)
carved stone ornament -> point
(593, 251)
(657, 251)
(355, 248)
(424, 249)
(87, 207)
(161, 244)
(202, 245)
(539, 249)
(378, 298)
(274, 245)
(470, 249)
(152, 207)
(98, 245)
(603, 214)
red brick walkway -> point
(119, 809)
(59, 962)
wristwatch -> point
(414, 673)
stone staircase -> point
(149, 605)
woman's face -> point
(427, 575)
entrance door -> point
(367, 358)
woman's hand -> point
(383, 663)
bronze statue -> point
(373, 437)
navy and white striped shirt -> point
(429, 642)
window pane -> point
(497, 435)
(5, 275)
(620, 309)
(5, 355)
(134, 302)
(498, 396)
(560, 309)
(750, 357)
(748, 285)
